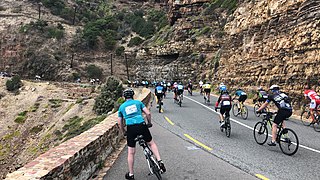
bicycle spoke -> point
(289, 142)
(316, 126)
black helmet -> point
(128, 93)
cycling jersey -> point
(281, 100)
(262, 94)
(206, 86)
(131, 111)
(159, 89)
(240, 93)
(224, 100)
(311, 94)
(180, 87)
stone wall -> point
(79, 157)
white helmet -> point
(221, 84)
(274, 87)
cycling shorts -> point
(180, 91)
(159, 95)
(282, 114)
(314, 103)
(242, 98)
(137, 129)
(225, 110)
(207, 90)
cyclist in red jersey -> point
(315, 100)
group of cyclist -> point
(132, 110)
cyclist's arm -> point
(148, 114)
(121, 125)
(264, 105)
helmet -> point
(128, 93)
(221, 84)
(259, 88)
(306, 86)
(274, 87)
(175, 83)
(223, 88)
(180, 83)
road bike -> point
(179, 99)
(286, 138)
(240, 108)
(227, 125)
(306, 118)
(153, 165)
(256, 106)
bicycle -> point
(206, 98)
(286, 138)
(190, 91)
(240, 108)
(179, 99)
(227, 125)
(153, 164)
(306, 119)
(160, 103)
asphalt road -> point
(193, 147)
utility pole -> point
(127, 68)
(71, 63)
(111, 64)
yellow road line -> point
(261, 177)
(169, 121)
(197, 142)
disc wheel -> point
(260, 133)
(289, 142)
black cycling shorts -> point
(207, 90)
(159, 95)
(242, 98)
(137, 129)
(282, 114)
(225, 110)
(180, 91)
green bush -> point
(120, 51)
(135, 41)
(53, 32)
(110, 92)
(14, 83)
(94, 72)
(118, 103)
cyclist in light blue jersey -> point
(241, 96)
(131, 110)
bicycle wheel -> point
(228, 127)
(235, 110)
(260, 133)
(289, 142)
(244, 112)
(155, 167)
(305, 118)
(255, 108)
(316, 125)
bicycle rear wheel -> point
(289, 142)
(155, 167)
(260, 133)
(305, 118)
(160, 107)
(255, 108)
(227, 127)
(244, 112)
(235, 110)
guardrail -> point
(79, 157)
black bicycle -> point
(306, 117)
(286, 138)
(153, 164)
(179, 99)
(227, 125)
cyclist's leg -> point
(228, 109)
(209, 94)
(131, 134)
(313, 106)
(222, 112)
(131, 153)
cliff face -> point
(260, 43)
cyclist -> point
(260, 96)
(207, 89)
(169, 86)
(180, 89)
(222, 87)
(282, 101)
(315, 100)
(190, 87)
(225, 105)
(159, 91)
(131, 110)
(165, 89)
(241, 97)
(200, 86)
(175, 86)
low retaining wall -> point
(79, 157)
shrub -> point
(110, 92)
(94, 72)
(118, 103)
(22, 116)
(135, 41)
(14, 83)
(120, 51)
(53, 32)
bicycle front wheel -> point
(155, 167)
(316, 126)
(255, 108)
(235, 110)
(305, 118)
(260, 133)
(289, 142)
(244, 112)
